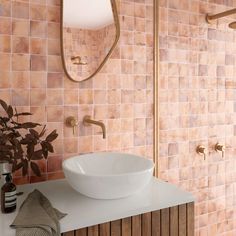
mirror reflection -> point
(90, 31)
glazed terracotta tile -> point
(38, 29)
(54, 164)
(53, 14)
(71, 145)
(37, 97)
(55, 114)
(53, 30)
(54, 64)
(20, 97)
(38, 46)
(38, 63)
(55, 97)
(5, 43)
(20, 45)
(20, 27)
(38, 12)
(34, 81)
(54, 80)
(38, 79)
(20, 62)
(54, 47)
(4, 62)
(5, 81)
(5, 8)
(20, 79)
(20, 10)
(39, 114)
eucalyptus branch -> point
(12, 141)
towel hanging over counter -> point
(37, 217)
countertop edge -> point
(84, 212)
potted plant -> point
(21, 144)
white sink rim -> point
(89, 155)
(93, 176)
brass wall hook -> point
(220, 148)
(201, 150)
(72, 122)
(77, 60)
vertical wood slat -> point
(174, 221)
(116, 228)
(71, 233)
(93, 230)
(156, 223)
(190, 219)
(146, 224)
(104, 229)
(182, 220)
(81, 232)
(136, 225)
(165, 222)
(126, 226)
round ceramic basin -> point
(108, 175)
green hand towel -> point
(37, 217)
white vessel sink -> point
(108, 175)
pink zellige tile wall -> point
(197, 106)
(32, 79)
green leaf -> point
(43, 131)
(23, 114)
(34, 133)
(4, 105)
(30, 150)
(10, 111)
(52, 136)
(35, 168)
(28, 125)
(25, 167)
(44, 149)
(38, 155)
(16, 167)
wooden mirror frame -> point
(117, 25)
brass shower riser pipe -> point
(209, 18)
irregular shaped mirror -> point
(89, 31)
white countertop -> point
(83, 211)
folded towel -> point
(37, 217)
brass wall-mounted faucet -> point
(88, 121)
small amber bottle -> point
(8, 195)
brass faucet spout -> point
(88, 121)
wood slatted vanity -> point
(161, 209)
(177, 220)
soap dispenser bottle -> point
(8, 195)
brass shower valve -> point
(201, 150)
(220, 148)
(72, 122)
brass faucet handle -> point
(220, 148)
(201, 150)
(72, 122)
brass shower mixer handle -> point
(201, 150)
(72, 122)
(220, 148)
